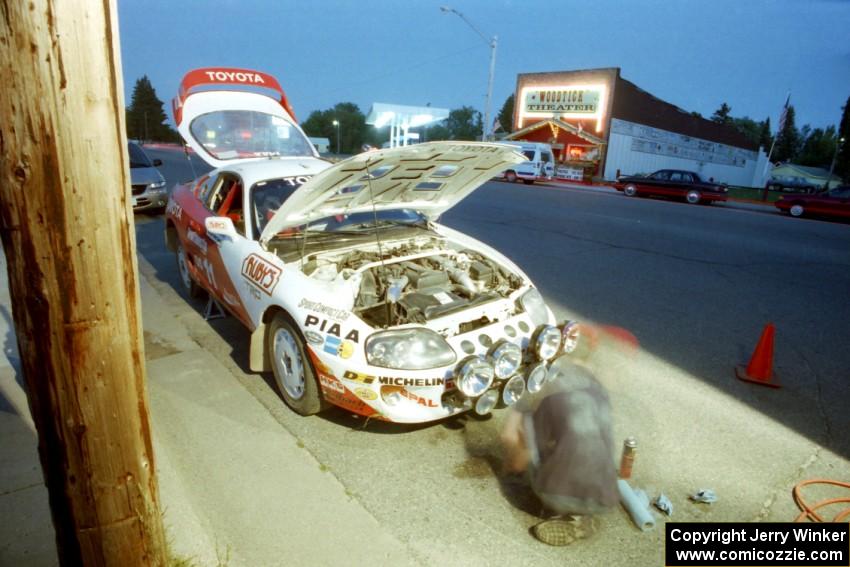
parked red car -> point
(835, 202)
(672, 183)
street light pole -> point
(336, 123)
(838, 143)
(493, 42)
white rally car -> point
(353, 293)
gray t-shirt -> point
(568, 433)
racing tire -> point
(630, 190)
(510, 176)
(294, 374)
(528, 181)
(191, 287)
(693, 197)
(796, 210)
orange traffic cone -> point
(760, 368)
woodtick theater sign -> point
(561, 101)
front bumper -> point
(424, 395)
(149, 201)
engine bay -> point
(416, 281)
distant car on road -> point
(835, 202)
(672, 183)
(148, 190)
(790, 184)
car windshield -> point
(238, 134)
(267, 197)
(138, 158)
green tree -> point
(464, 123)
(787, 140)
(353, 131)
(842, 162)
(438, 132)
(818, 148)
(722, 114)
(146, 116)
(506, 115)
(748, 127)
(765, 137)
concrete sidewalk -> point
(236, 488)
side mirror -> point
(157, 162)
(220, 228)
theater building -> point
(601, 125)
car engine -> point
(416, 283)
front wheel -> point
(796, 210)
(693, 197)
(190, 285)
(293, 371)
(510, 176)
(629, 190)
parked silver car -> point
(148, 189)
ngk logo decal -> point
(260, 273)
(235, 77)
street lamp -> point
(336, 123)
(493, 42)
(838, 144)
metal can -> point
(628, 457)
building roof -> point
(808, 171)
(633, 104)
(559, 124)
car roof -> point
(273, 168)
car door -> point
(656, 184)
(221, 198)
(836, 202)
(679, 184)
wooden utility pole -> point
(67, 231)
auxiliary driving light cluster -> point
(506, 372)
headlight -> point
(533, 304)
(408, 349)
(514, 389)
(506, 358)
(571, 332)
(547, 342)
(474, 375)
(487, 402)
(157, 187)
(536, 378)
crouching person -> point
(561, 437)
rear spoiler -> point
(228, 77)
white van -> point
(540, 164)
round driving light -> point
(547, 342)
(536, 378)
(487, 402)
(474, 376)
(506, 358)
(571, 333)
(513, 391)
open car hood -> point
(230, 116)
(430, 178)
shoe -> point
(563, 531)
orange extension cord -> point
(809, 511)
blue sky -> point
(693, 53)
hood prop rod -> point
(384, 277)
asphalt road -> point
(695, 285)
